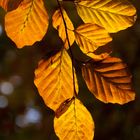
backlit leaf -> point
(91, 36)
(113, 15)
(58, 24)
(109, 80)
(75, 124)
(54, 79)
(28, 23)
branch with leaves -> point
(108, 78)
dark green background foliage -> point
(23, 114)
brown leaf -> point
(109, 80)
(63, 107)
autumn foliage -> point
(107, 77)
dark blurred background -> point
(23, 114)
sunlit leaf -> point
(91, 36)
(54, 79)
(28, 23)
(113, 15)
(58, 24)
(75, 124)
(109, 80)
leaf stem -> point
(67, 38)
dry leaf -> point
(58, 24)
(54, 79)
(75, 124)
(109, 80)
(113, 15)
(28, 23)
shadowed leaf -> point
(109, 80)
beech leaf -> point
(109, 80)
(58, 24)
(91, 36)
(28, 23)
(54, 79)
(113, 15)
(75, 124)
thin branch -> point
(67, 38)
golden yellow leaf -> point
(75, 124)
(58, 24)
(28, 23)
(91, 36)
(113, 15)
(54, 79)
(109, 80)
(4, 4)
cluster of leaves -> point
(107, 77)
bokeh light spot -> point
(6, 88)
(31, 116)
(3, 102)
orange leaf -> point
(54, 79)
(28, 23)
(58, 24)
(109, 80)
(75, 124)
